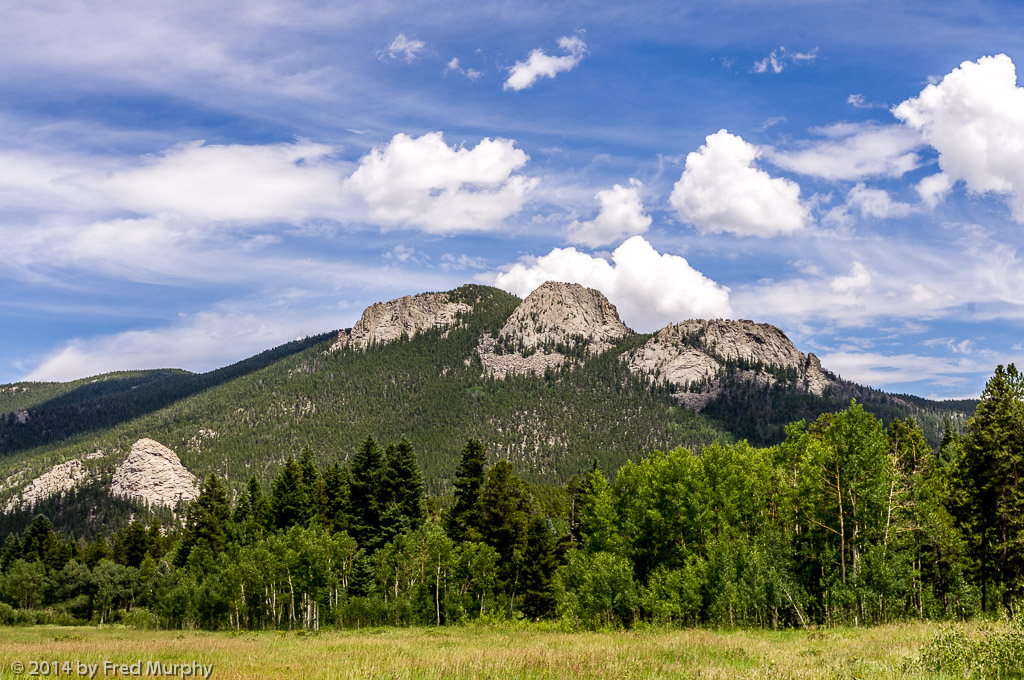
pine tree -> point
(288, 503)
(464, 520)
(134, 544)
(206, 529)
(11, 551)
(506, 508)
(990, 507)
(404, 487)
(539, 564)
(336, 498)
(366, 490)
(312, 484)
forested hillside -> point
(846, 521)
(246, 419)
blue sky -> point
(188, 183)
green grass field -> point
(482, 652)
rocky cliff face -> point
(555, 314)
(58, 481)
(693, 352)
(558, 312)
(153, 474)
(384, 322)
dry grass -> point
(487, 652)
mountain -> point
(553, 383)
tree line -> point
(844, 522)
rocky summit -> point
(153, 474)
(557, 313)
(554, 316)
(690, 355)
(384, 322)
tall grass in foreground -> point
(912, 651)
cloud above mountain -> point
(649, 288)
(721, 190)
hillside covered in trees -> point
(844, 521)
(248, 418)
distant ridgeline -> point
(551, 383)
(845, 521)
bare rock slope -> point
(58, 481)
(691, 353)
(153, 474)
(554, 314)
(384, 322)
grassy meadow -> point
(489, 652)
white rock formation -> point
(153, 474)
(500, 365)
(557, 312)
(384, 322)
(554, 314)
(695, 351)
(59, 480)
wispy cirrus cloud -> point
(404, 48)
(852, 151)
(778, 59)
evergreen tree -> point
(206, 529)
(289, 504)
(96, 551)
(951, 446)
(312, 484)
(260, 512)
(990, 498)
(336, 498)
(157, 540)
(366, 490)
(464, 520)
(11, 551)
(506, 510)
(405, 493)
(134, 544)
(539, 565)
(598, 518)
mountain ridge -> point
(430, 382)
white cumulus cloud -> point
(721, 190)
(974, 117)
(422, 182)
(622, 214)
(853, 151)
(650, 289)
(525, 73)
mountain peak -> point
(691, 354)
(384, 322)
(557, 313)
(555, 318)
